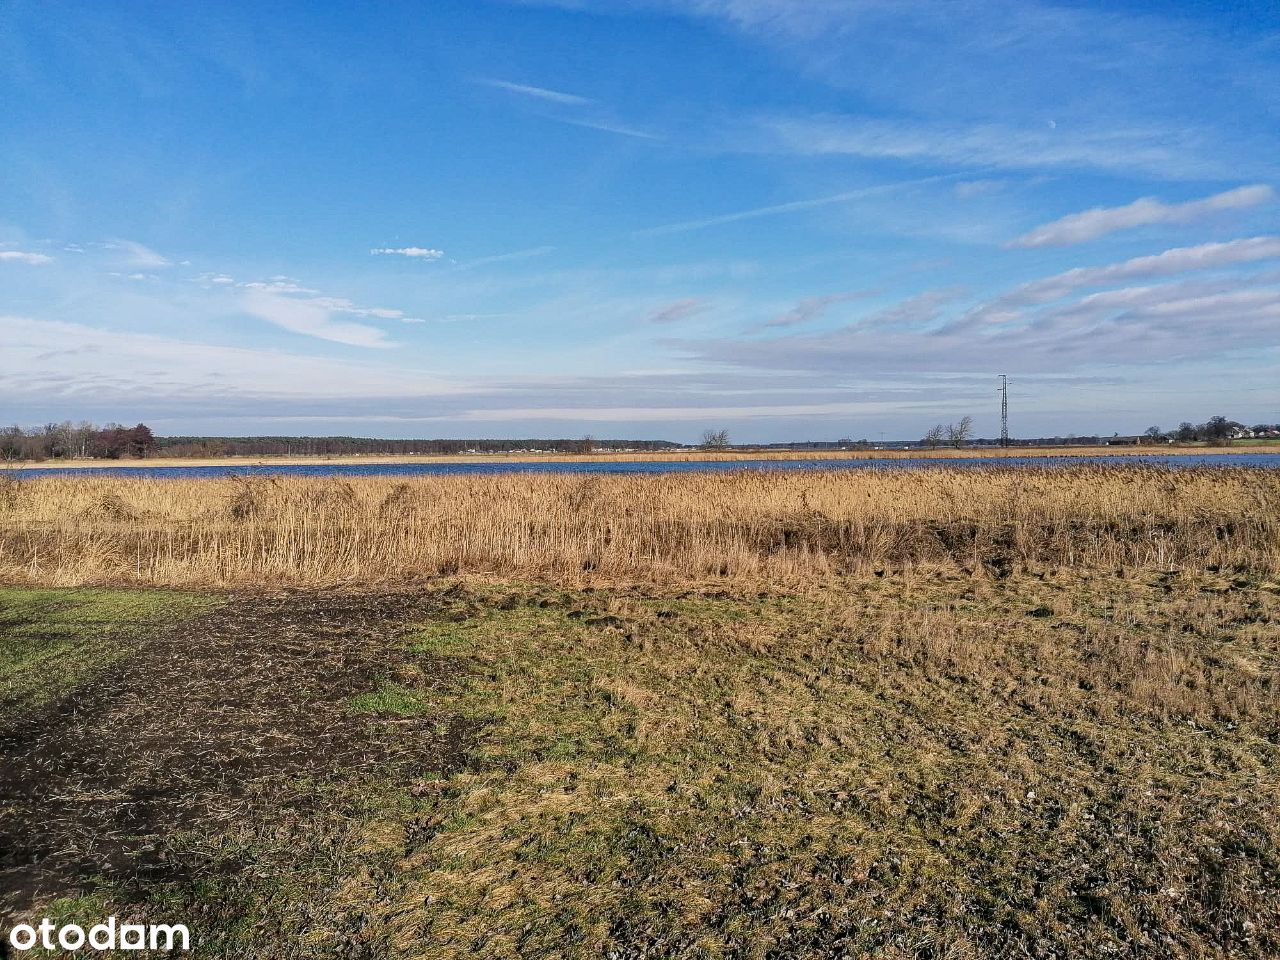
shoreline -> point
(681, 456)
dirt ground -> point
(212, 724)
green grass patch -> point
(52, 641)
(443, 640)
(392, 698)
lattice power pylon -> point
(1004, 410)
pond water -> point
(438, 467)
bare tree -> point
(715, 440)
(1153, 434)
(959, 434)
(934, 437)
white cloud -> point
(1099, 221)
(421, 253)
(277, 285)
(22, 256)
(540, 93)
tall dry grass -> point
(749, 524)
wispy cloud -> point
(580, 111)
(968, 189)
(311, 318)
(794, 206)
(284, 302)
(1018, 58)
(420, 253)
(539, 93)
(811, 308)
(137, 255)
(915, 311)
(113, 367)
(1150, 327)
(679, 310)
(1205, 256)
(23, 256)
(697, 413)
(1100, 221)
(1123, 149)
(513, 256)
(609, 126)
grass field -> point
(55, 640)
(824, 715)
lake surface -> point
(436, 467)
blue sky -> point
(805, 219)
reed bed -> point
(237, 532)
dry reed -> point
(739, 525)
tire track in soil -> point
(208, 723)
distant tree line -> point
(114, 441)
(69, 440)
(1214, 430)
(56, 441)
(337, 446)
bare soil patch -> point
(211, 724)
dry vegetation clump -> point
(737, 526)
(10, 489)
